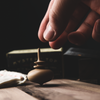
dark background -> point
(20, 20)
(20, 23)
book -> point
(82, 64)
(23, 60)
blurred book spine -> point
(23, 60)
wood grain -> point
(63, 89)
(14, 94)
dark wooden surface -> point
(14, 93)
(58, 89)
(62, 89)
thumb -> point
(96, 31)
(59, 15)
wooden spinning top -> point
(40, 74)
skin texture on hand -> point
(64, 16)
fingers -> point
(93, 4)
(78, 15)
(44, 23)
(85, 30)
(59, 15)
(56, 19)
(96, 31)
(59, 42)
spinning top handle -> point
(38, 54)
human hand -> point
(64, 16)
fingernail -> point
(98, 27)
(49, 33)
